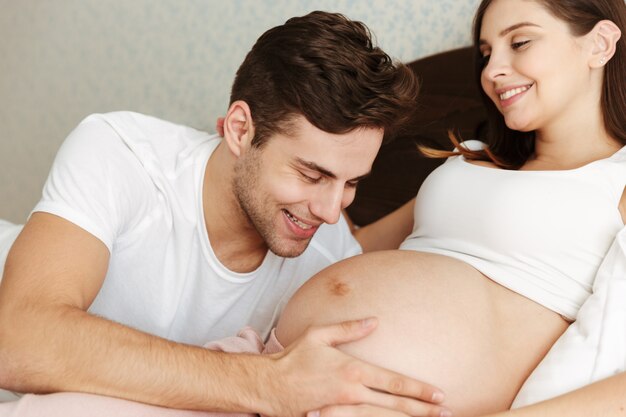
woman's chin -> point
(519, 124)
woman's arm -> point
(605, 398)
(387, 232)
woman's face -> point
(534, 70)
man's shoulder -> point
(124, 125)
(136, 124)
(140, 134)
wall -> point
(62, 60)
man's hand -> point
(312, 375)
(369, 411)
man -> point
(153, 238)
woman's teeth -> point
(510, 93)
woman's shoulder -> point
(473, 145)
(619, 156)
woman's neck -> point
(568, 145)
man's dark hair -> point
(324, 67)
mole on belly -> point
(338, 287)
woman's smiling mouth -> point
(507, 94)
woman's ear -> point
(604, 36)
(238, 128)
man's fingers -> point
(405, 405)
(362, 410)
(344, 332)
(391, 382)
(343, 380)
(365, 410)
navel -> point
(338, 287)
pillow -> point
(594, 346)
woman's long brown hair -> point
(509, 148)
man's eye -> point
(312, 180)
(352, 184)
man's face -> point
(297, 181)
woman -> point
(500, 259)
(507, 239)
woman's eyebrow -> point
(510, 29)
(517, 26)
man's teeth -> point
(511, 93)
(298, 222)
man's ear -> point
(604, 37)
(238, 127)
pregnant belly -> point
(440, 321)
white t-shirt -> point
(135, 182)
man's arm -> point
(387, 232)
(49, 343)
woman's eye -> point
(484, 60)
(517, 45)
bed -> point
(449, 99)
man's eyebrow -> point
(511, 29)
(359, 178)
(315, 167)
(327, 173)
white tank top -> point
(542, 234)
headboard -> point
(449, 99)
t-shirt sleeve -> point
(95, 182)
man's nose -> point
(328, 202)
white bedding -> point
(594, 346)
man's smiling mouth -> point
(297, 222)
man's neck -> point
(235, 242)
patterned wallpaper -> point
(62, 60)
